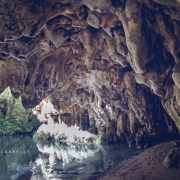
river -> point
(23, 158)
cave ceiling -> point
(110, 67)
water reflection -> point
(21, 158)
(15, 155)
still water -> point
(22, 159)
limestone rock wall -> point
(110, 67)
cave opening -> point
(52, 125)
(56, 149)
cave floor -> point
(149, 165)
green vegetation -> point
(14, 118)
(42, 137)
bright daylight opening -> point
(57, 129)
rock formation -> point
(112, 67)
(157, 162)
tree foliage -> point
(13, 116)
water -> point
(22, 158)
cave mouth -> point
(53, 127)
(43, 120)
(56, 150)
(14, 118)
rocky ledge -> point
(110, 67)
(159, 162)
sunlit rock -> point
(93, 21)
(52, 125)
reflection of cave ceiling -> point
(111, 67)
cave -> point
(91, 77)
